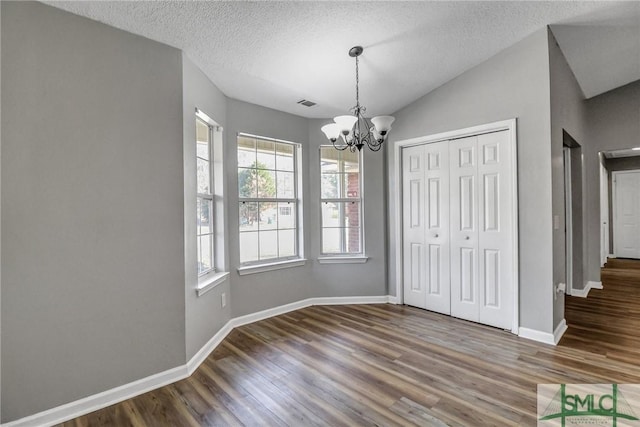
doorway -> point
(626, 214)
(620, 201)
(574, 256)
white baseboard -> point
(560, 330)
(583, 293)
(594, 285)
(101, 400)
(535, 335)
(544, 337)
(206, 349)
(109, 397)
(394, 299)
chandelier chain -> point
(357, 84)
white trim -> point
(595, 285)
(535, 335)
(393, 299)
(206, 349)
(101, 400)
(343, 259)
(261, 268)
(545, 337)
(605, 221)
(559, 332)
(211, 282)
(508, 125)
(582, 293)
(276, 311)
(208, 120)
(118, 394)
(568, 219)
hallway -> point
(608, 321)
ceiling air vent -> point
(306, 103)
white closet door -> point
(626, 213)
(458, 228)
(413, 202)
(463, 159)
(438, 294)
(495, 243)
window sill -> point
(360, 259)
(211, 282)
(260, 268)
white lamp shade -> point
(345, 123)
(383, 123)
(332, 131)
(375, 134)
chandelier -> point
(356, 130)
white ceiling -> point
(277, 53)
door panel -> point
(495, 240)
(413, 166)
(416, 267)
(464, 228)
(467, 275)
(491, 269)
(626, 213)
(437, 229)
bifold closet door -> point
(481, 223)
(463, 173)
(413, 176)
(426, 226)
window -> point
(268, 197)
(204, 201)
(341, 201)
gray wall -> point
(613, 123)
(567, 114)
(92, 208)
(349, 279)
(98, 144)
(255, 292)
(204, 314)
(514, 83)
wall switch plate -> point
(223, 299)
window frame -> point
(260, 265)
(328, 257)
(210, 197)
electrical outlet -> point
(223, 298)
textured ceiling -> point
(277, 53)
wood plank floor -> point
(391, 365)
